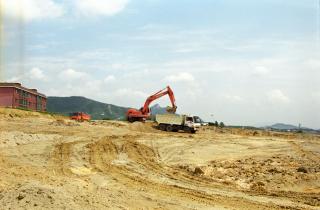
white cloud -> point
(92, 86)
(154, 37)
(33, 74)
(313, 63)
(260, 71)
(184, 50)
(125, 92)
(205, 64)
(277, 96)
(71, 74)
(138, 74)
(117, 66)
(36, 73)
(100, 7)
(180, 77)
(31, 9)
(233, 98)
(109, 78)
(14, 79)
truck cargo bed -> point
(171, 119)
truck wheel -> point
(187, 129)
(175, 129)
(169, 128)
(192, 131)
(162, 127)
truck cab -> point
(198, 121)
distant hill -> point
(281, 126)
(288, 127)
(97, 110)
(157, 109)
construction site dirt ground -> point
(50, 162)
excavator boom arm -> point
(159, 94)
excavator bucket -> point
(171, 109)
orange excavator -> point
(144, 112)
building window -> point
(19, 92)
(23, 103)
(39, 103)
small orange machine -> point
(80, 116)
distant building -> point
(16, 96)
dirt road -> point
(53, 163)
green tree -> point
(221, 125)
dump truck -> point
(175, 123)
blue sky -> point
(241, 62)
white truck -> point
(174, 122)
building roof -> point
(19, 86)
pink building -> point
(16, 96)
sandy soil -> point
(49, 162)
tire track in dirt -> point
(60, 158)
(103, 163)
(299, 148)
(101, 154)
(311, 199)
(147, 157)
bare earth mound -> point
(49, 162)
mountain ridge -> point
(97, 110)
(285, 127)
